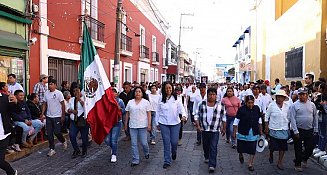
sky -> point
(217, 24)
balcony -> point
(126, 45)
(96, 29)
(155, 58)
(144, 53)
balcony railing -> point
(155, 57)
(144, 52)
(126, 43)
(96, 28)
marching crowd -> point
(247, 115)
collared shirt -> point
(40, 90)
(210, 117)
(266, 99)
(154, 101)
(168, 113)
(13, 87)
(192, 96)
(304, 116)
(80, 108)
(198, 99)
(277, 117)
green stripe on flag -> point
(87, 55)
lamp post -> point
(179, 42)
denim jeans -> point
(135, 134)
(153, 132)
(210, 144)
(73, 131)
(53, 126)
(37, 124)
(112, 138)
(229, 128)
(169, 135)
(322, 133)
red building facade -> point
(57, 26)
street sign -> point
(224, 65)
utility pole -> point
(117, 42)
(179, 43)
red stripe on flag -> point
(103, 116)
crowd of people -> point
(242, 113)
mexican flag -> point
(101, 108)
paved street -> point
(189, 161)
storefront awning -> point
(12, 40)
(15, 18)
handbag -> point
(80, 121)
(279, 134)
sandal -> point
(241, 158)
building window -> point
(294, 63)
(63, 70)
(12, 65)
(127, 74)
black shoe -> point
(250, 168)
(198, 143)
(84, 154)
(165, 166)
(147, 156)
(234, 146)
(271, 159)
(173, 156)
(241, 158)
(76, 153)
(134, 164)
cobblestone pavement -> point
(189, 161)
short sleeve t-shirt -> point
(53, 100)
(138, 113)
(13, 87)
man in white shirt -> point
(54, 106)
(12, 84)
(265, 97)
(198, 99)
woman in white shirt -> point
(78, 124)
(168, 121)
(138, 113)
(154, 99)
(278, 120)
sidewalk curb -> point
(28, 151)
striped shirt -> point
(210, 117)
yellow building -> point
(289, 39)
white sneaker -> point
(316, 150)
(16, 172)
(16, 147)
(65, 145)
(322, 159)
(320, 153)
(113, 159)
(51, 153)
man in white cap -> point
(40, 88)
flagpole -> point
(117, 42)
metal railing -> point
(144, 52)
(155, 57)
(95, 27)
(126, 43)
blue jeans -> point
(229, 128)
(112, 138)
(37, 125)
(135, 134)
(153, 132)
(210, 144)
(73, 131)
(169, 135)
(322, 133)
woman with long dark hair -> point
(138, 113)
(168, 121)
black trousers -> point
(3, 163)
(181, 131)
(53, 126)
(303, 155)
